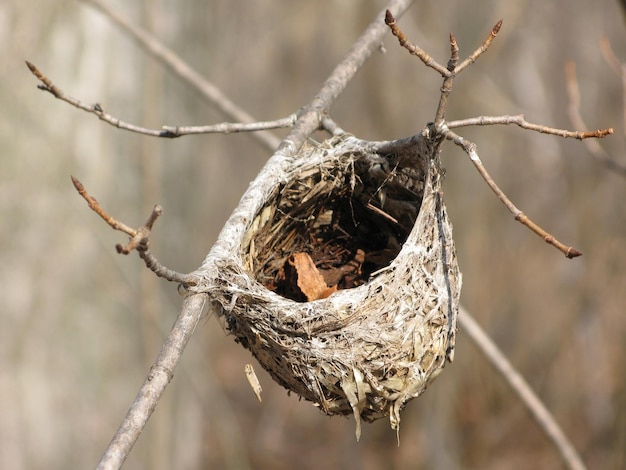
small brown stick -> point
(520, 121)
(166, 131)
(470, 149)
(446, 87)
(139, 238)
(412, 48)
(482, 49)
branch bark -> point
(155, 383)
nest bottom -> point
(346, 286)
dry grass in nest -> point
(346, 285)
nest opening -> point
(334, 224)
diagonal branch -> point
(481, 50)
(470, 149)
(184, 71)
(520, 387)
(155, 383)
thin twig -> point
(166, 131)
(573, 111)
(470, 149)
(139, 238)
(481, 50)
(520, 121)
(446, 87)
(412, 48)
(184, 71)
(153, 387)
(232, 127)
(520, 387)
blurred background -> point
(81, 325)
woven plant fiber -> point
(371, 219)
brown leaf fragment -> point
(304, 279)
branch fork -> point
(442, 127)
(139, 238)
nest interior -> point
(346, 285)
(348, 214)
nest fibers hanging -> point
(341, 278)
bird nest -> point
(346, 285)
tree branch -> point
(520, 387)
(153, 387)
(470, 149)
(166, 131)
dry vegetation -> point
(81, 324)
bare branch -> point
(153, 387)
(521, 122)
(139, 238)
(446, 87)
(166, 131)
(95, 206)
(520, 387)
(412, 48)
(185, 72)
(481, 50)
(470, 149)
(232, 127)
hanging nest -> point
(345, 285)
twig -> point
(573, 111)
(139, 238)
(446, 87)
(153, 387)
(166, 131)
(448, 73)
(520, 387)
(470, 149)
(521, 122)
(185, 72)
(482, 49)
(412, 48)
(441, 129)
